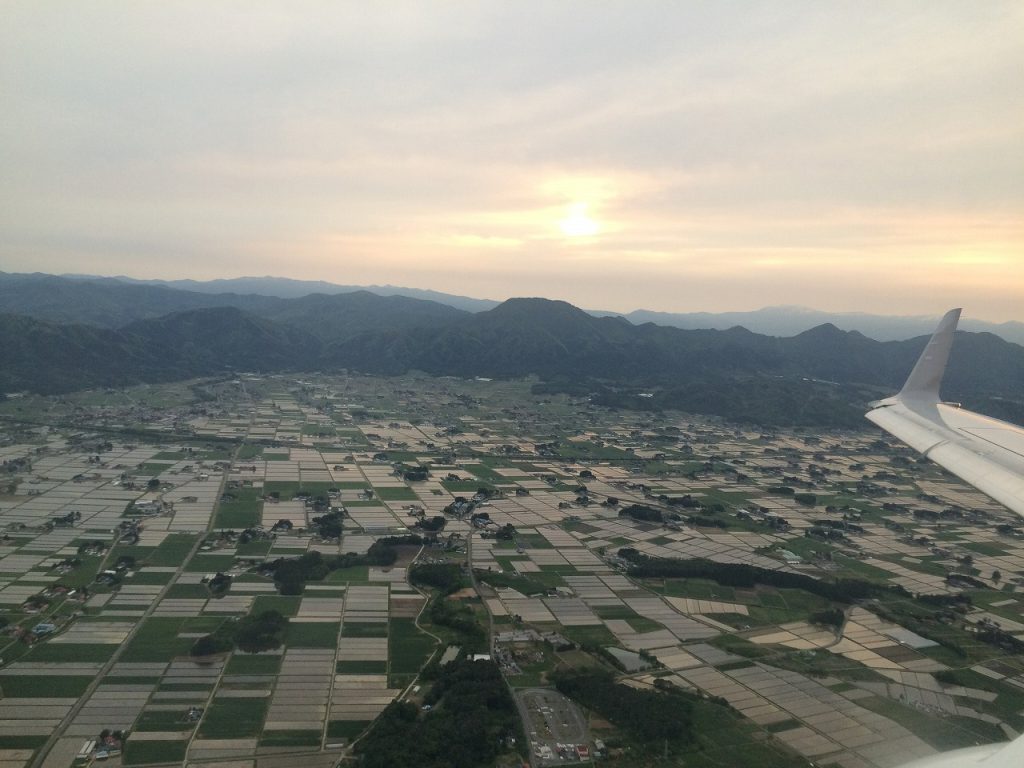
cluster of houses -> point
(39, 603)
(108, 744)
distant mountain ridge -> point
(770, 321)
(110, 303)
(288, 288)
(789, 321)
(62, 334)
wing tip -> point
(926, 377)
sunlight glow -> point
(578, 223)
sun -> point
(578, 223)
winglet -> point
(926, 377)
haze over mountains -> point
(60, 334)
(772, 321)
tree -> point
(330, 525)
(153, 484)
(219, 584)
(642, 512)
(208, 645)
(996, 575)
(260, 633)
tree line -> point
(748, 576)
(648, 717)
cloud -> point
(787, 152)
(478, 241)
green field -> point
(180, 591)
(157, 639)
(396, 494)
(286, 605)
(176, 720)
(290, 738)
(242, 509)
(526, 585)
(151, 468)
(21, 742)
(312, 634)
(360, 629)
(408, 647)
(44, 686)
(172, 551)
(255, 548)
(228, 718)
(148, 577)
(249, 451)
(285, 489)
(358, 573)
(596, 635)
(204, 563)
(145, 752)
(345, 729)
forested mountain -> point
(553, 339)
(106, 302)
(344, 316)
(226, 338)
(115, 302)
(110, 303)
(49, 358)
(733, 372)
(770, 321)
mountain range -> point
(62, 334)
(771, 321)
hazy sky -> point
(668, 155)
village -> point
(138, 523)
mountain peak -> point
(825, 330)
(547, 313)
(534, 302)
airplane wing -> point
(984, 452)
(1001, 755)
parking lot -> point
(554, 725)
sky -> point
(674, 156)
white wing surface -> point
(1004, 755)
(984, 452)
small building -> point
(791, 558)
